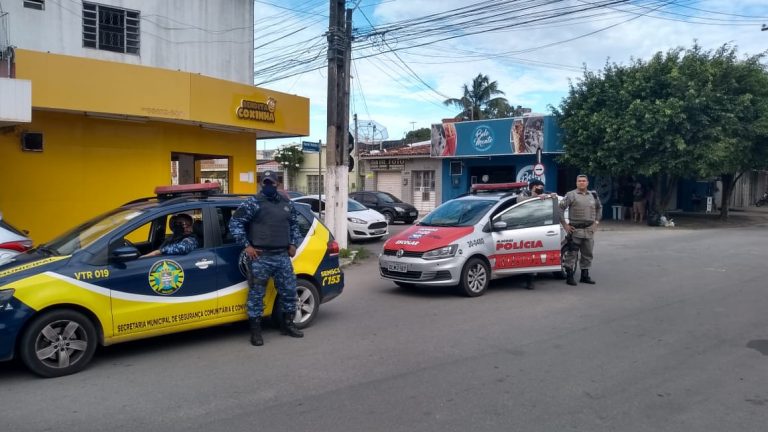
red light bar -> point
(187, 188)
(498, 186)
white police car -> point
(492, 232)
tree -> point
(689, 113)
(478, 101)
(421, 134)
(290, 159)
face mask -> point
(539, 190)
(269, 190)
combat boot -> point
(255, 324)
(569, 277)
(288, 327)
(585, 277)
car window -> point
(368, 199)
(387, 198)
(86, 234)
(460, 212)
(224, 214)
(152, 234)
(304, 224)
(354, 206)
(532, 213)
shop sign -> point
(257, 111)
(387, 164)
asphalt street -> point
(674, 337)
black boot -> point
(585, 277)
(529, 282)
(255, 324)
(569, 277)
(288, 327)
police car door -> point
(155, 294)
(526, 237)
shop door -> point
(424, 191)
(389, 181)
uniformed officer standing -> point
(266, 225)
(584, 212)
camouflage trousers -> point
(580, 248)
(280, 269)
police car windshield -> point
(459, 212)
(84, 235)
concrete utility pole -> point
(336, 172)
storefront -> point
(498, 151)
(104, 133)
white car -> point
(12, 241)
(489, 233)
(362, 222)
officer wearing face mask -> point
(267, 226)
(182, 241)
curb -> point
(344, 262)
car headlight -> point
(399, 209)
(443, 252)
(356, 220)
(5, 296)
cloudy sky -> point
(410, 55)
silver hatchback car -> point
(12, 241)
(470, 240)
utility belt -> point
(581, 225)
(272, 251)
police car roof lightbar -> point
(497, 186)
(205, 189)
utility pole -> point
(336, 173)
(358, 163)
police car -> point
(491, 232)
(91, 286)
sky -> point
(410, 55)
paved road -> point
(673, 338)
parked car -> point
(362, 222)
(490, 233)
(293, 194)
(92, 286)
(13, 241)
(387, 204)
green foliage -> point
(478, 101)
(687, 113)
(362, 253)
(422, 134)
(290, 159)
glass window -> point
(314, 182)
(110, 28)
(354, 206)
(424, 181)
(532, 213)
(224, 214)
(153, 234)
(460, 212)
(91, 231)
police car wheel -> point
(475, 277)
(561, 273)
(57, 343)
(307, 306)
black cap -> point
(269, 175)
(535, 182)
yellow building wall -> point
(90, 166)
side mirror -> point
(499, 225)
(125, 253)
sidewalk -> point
(742, 217)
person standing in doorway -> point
(266, 225)
(638, 206)
(584, 211)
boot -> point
(529, 282)
(255, 324)
(585, 277)
(288, 327)
(569, 277)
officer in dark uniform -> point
(584, 212)
(183, 240)
(266, 225)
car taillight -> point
(333, 247)
(19, 246)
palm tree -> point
(478, 102)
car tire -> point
(57, 343)
(307, 308)
(389, 217)
(561, 273)
(475, 277)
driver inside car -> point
(183, 240)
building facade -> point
(86, 126)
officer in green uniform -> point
(584, 212)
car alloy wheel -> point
(57, 343)
(389, 217)
(475, 277)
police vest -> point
(583, 207)
(270, 228)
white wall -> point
(210, 37)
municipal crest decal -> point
(166, 277)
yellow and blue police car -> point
(93, 285)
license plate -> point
(397, 267)
(413, 213)
(380, 231)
